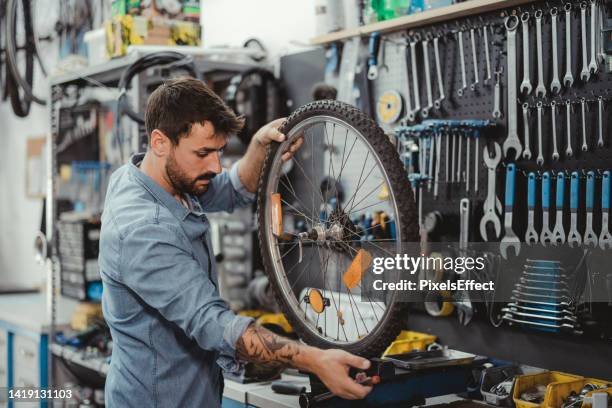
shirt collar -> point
(171, 203)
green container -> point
(381, 10)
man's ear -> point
(160, 143)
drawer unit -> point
(26, 362)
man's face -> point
(195, 160)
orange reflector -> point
(355, 271)
(315, 298)
(277, 214)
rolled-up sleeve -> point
(226, 192)
(165, 275)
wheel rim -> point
(331, 226)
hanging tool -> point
(512, 141)
(425, 45)
(459, 155)
(590, 239)
(462, 62)
(585, 146)
(527, 151)
(526, 84)
(438, 154)
(600, 140)
(497, 96)
(558, 232)
(410, 114)
(553, 111)
(373, 48)
(540, 159)
(510, 240)
(555, 85)
(593, 67)
(474, 59)
(585, 74)
(476, 159)
(568, 79)
(464, 224)
(485, 36)
(568, 125)
(540, 89)
(605, 239)
(467, 163)
(415, 79)
(430, 172)
(438, 102)
(531, 236)
(574, 238)
(491, 203)
(545, 235)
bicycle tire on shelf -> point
(392, 322)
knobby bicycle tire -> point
(391, 323)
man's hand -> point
(269, 133)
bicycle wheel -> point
(343, 196)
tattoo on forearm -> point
(259, 345)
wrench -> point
(491, 202)
(540, 159)
(430, 172)
(574, 238)
(590, 239)
(585, 146)
(467, 164)
(585, 74)
(474, 59)
(476, 162)
(415, 79)
(593, 67)
(460, 142)
(545, 235)
(512, 141)
(410, 114)
(568, 124)
(605, 239)
(438, 156)
(558, 232)
(601, 54)
(526, 84)
(462, 60)
(553, 110)
(568, 79)
(438, 102)
(555, 85)
(531, 237)
(510, 240)
(453, 156)
(425, 45)
(527, 152)
(485, 36)
(540, 89)
(600, 141)
(464, 222)
(497, 96)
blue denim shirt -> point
(172, 333)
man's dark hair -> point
(179, 103)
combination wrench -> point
(512, 141)
(590, 239)
(474, 58)
(585, 74)
(605, 239)
(492, 205)
(485, 38)
(553, 111)
(558, 232)
(497, 96)
(462, 61)
(555, 85)
(410, 113)
(574, 238)
(546, 235)
(540, 159)
(510, 240)
(531, 236)
(527, 151)
(568, 125)
(540, 89)
(585, 146)
(568, 79)
(415, 79)
(593, 66)
(600, 140)
(438, 102)
(425, 45)
(526, 84)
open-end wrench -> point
(555, 85)
(585, 74)
(485, 38)
(497, 96)
(600, 140)
(585, 146)
(553, 111)
(462, 62)
(574, 239)
(491, 203)
(531, 237)
(415, 78)
(590, 239)
(540, 89)
(512, 141)
(438, 102)
(593, 66)
(526, 84)
(510, 240)
(605, 239)
(546, 234)
(568, 79)
(527, 151)
(474, 58)
(558, 232)
(568, 125)
(425, 45)
(540, 159)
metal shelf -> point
(76, 356)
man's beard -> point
(181, 183)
